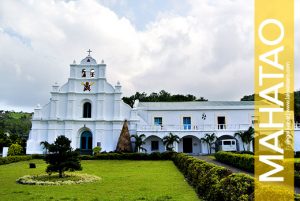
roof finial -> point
(89, 51)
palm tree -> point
(139, 142)
(246, 136)
(209, 139)
(169, 140)
(45, 144)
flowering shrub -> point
(52, 180)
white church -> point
(90, 112)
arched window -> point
(83, 73)
(87, 110)
(92, 73)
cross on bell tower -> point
(89, 51)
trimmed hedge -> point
(208, 179)
(236, 187)
(13, 159)
(129, 156)
(215, 183)
(241, 161)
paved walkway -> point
(233, 169)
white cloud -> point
(207, 52)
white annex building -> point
(90, 112)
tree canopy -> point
(169, 140)
(14, 128)
(61, 157)
(139, 142)
(209, 139)
(161, 96)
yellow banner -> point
(274, 100)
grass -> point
(120, 181)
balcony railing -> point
(203, 127)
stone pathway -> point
(233, 169)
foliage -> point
(14, 150)
(161, 96)
(208, 179)
(97, 150)
(55, 180)
(209, 139)
(246, 136)
(124, 142)
(14, 128)
(236, 187)
(242, 161)
(139, 142)
(129, 156)
(61, 157)
(169, 141)
(13, 159)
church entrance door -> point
(86, 143)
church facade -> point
(90, 112)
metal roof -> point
(190, 105)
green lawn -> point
(121, 180)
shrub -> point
(242, 161)
(13, 159)
(235, 187)
(61, 157)
(14, 150)
(206, 178)
(210, 181)
(245, 152)
(97, 150)
(274, 192)
(129, 156)
(297, 154)
(38, 156)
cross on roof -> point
(89, 51)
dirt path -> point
(233, 169)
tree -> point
(209, 139)
(169, 140)
(5, 141)
(15, 149)
(124, 142)
(96, 150)
(161, 96)
(45, 144)
(61, 157)
(139, 142)
(246, 136)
